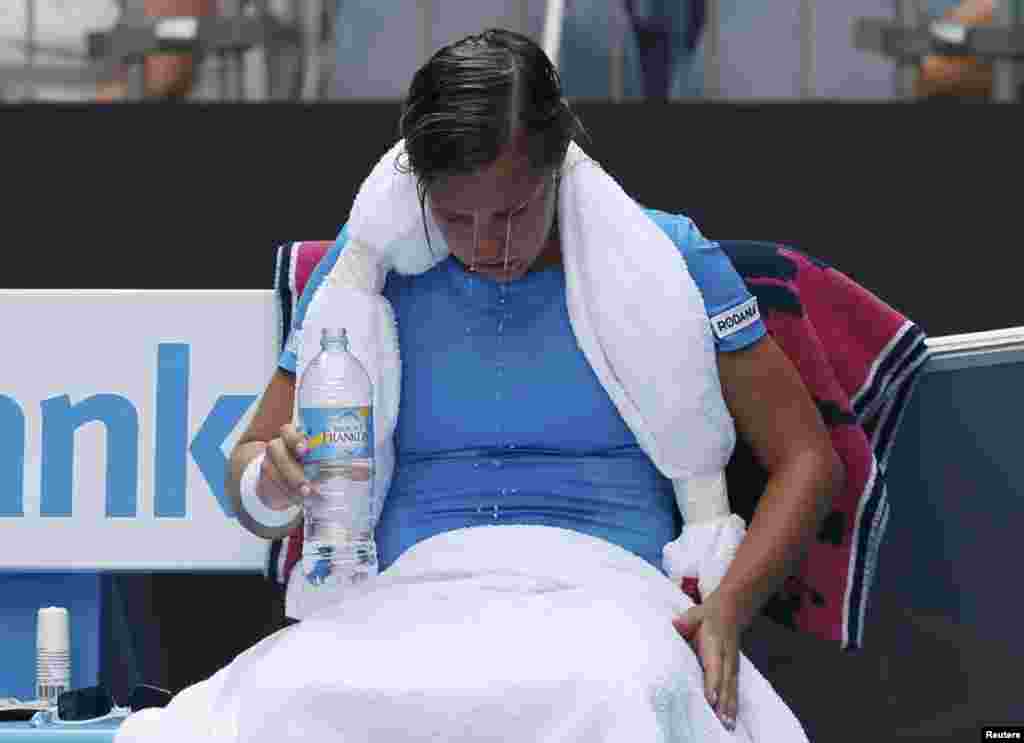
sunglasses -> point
(95, 703)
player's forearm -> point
(958, 75)
(167, 8)
(972, 12)
(795, 502)
(173, 75)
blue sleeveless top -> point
(502, 420)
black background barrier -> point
(919, 203)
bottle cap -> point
(333, 335)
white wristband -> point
(256, 508)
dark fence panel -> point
(915, 202)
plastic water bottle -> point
(336, 415)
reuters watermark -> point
(1002, 732)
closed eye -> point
(466, 219)
(457, 219)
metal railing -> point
(241, 26)
(305, 30)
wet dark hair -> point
(471, 97)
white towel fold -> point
(490, 633)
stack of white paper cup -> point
(53, 653)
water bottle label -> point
(338, 433)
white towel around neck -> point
(634, 308)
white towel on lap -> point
(492, 633)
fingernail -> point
(301, 450)
(305, 490)
(713, 698)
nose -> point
(490, 249)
